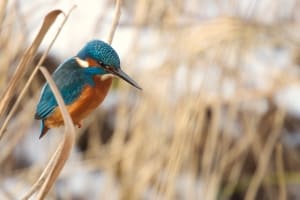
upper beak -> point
(118, 72)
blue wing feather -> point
(70, 79)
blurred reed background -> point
(218, 117)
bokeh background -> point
(218, 117)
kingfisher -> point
(83, 81)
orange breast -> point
(89, 99)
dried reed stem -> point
(37, 185)
(67, 143)
(3, 5)
(265, 156)
(115, 22)
(281, 175)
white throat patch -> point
(82, 63)
(106, 76)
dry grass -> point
(206, 125)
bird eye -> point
(108, 68)
(101, 64)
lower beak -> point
(118, 72)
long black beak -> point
(118, 72)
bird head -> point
(97, 53)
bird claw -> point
(78, 124)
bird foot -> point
(79, 124)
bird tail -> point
(44, 129)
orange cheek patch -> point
(92, 62)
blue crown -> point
(100, 51)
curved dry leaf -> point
(58, 159)
(67, 143)
(26, 59)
